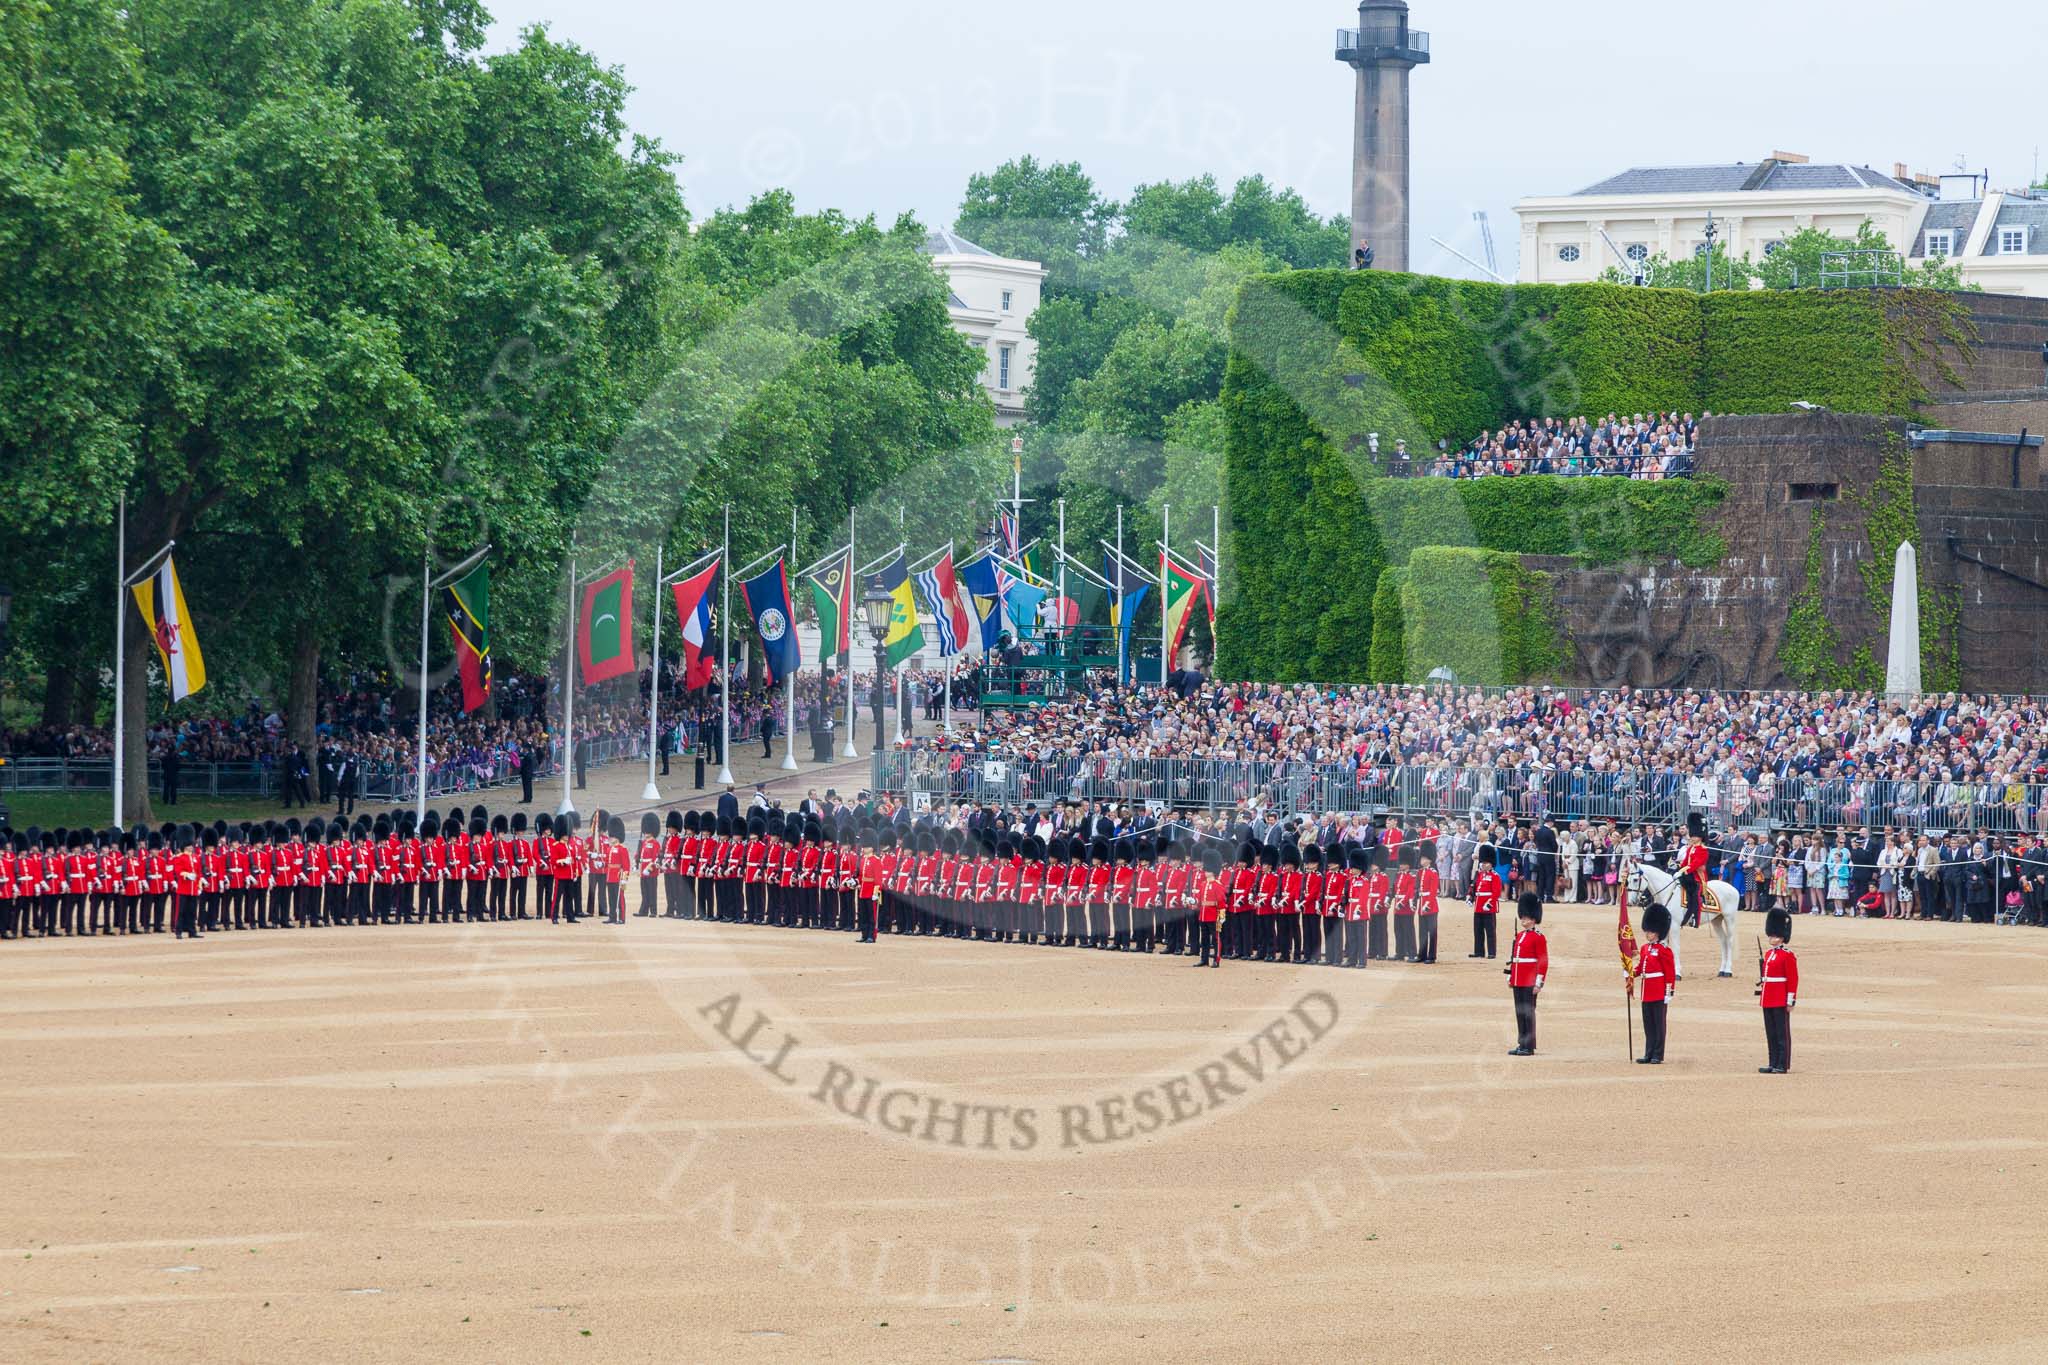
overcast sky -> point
(890, 105)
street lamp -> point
(878, 606)
(1712, 233)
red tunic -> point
(1529, 961)
(1657, 969)
(1781, 979)
(1486, 893)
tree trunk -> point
(59, 684)
(134, 755)
(302, 700)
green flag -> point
(905, 636)
(832, 594)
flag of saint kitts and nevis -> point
(468, 604)
(606, 642)
(832, 593)
(163, 606)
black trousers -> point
(1212, 950)
(1525, 1017)
(1778, 1036)
(1404, 936)
(1546, 875)
(1376, 936)
(518, 896)
(184, 916)
(1425, 938)
(1653, 1029)
(870, 920)
(1482, 935)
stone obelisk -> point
(1902, 663)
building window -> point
(1771, 248)
(1638, 252)
(2012, 241)
(1567, 254)
(1940, 244)
(1813, 492)
(1006, 300)
(1003, 367)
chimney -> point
(1790, 158)
(1899, 171)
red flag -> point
(693, 606)
(1625, 938)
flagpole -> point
(1061, 610)
(1165, 554)
(901, 673)
(1215, 574)
(121, 657)
(948, 699)
(1123, 627)
(789, 728)
(849, 751)
(568, 806)
(725, 656)
(651, 792)
(419, 739)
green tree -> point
(1048, 213)
(1797, 262)
(1662, 272)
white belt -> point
(1779, 980)
(1653, 976)
(1525, 959)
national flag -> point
(978, 576)
(606, 639)
(1091, 602)
(1006, 532)
(941, 589)
(1208, 565)
(693, 606)
(1021, 602)
(832, 594)
(1181, 592)
(1625, 940)
(767, 595)
(170, 624)
(905, 636)
(468, 604)
(1126, 594)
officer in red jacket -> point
(1486, 894)
(1215, 894)
(1528, 964)
(1778, 988)
(1657, 970)
(1692, 877)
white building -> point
(2000, 240)
(993, 298)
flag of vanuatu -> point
(468, 604)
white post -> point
(725, 656)
(1165, 554)
(849, 751)
(946, 699)
(121, 657)
(789, 726)
(419, 739)
(1061, 610)
(568, 806)
(650, 792)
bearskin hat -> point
(1530, 907)
(1778, 925)
(519, 822)
(1657, 920)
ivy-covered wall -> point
(1478, 613)
(1322, 362)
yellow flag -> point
(163, 606)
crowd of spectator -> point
(1646, 446)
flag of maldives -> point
(606, 644)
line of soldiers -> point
(285, 874)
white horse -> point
(1652, 885)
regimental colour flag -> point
(1183, 591)
(1625, 941)
(468, 604)
(905, 636)
(605, 630)
(832, 593)
(693, 606)
(767, 595)
(978, 577)
(163, 606)
(941, 589)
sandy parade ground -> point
(674, 1140)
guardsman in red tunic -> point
(1179, 900)
(1287, 913)
(1486, 894)
(1692, 877)
(1657, 971)
(648, 864)
(1266, 904)
(1215, 897)
(1378, 895)
(1528, 965)
(1426, 908)
(1145, 898)
(1405, 946)
(1777, 989)
(874, 873)
(1357, 904)
(1312, 879)
(187, 877)
(1101, 874)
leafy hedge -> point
(1322, 361)
(1478, 613)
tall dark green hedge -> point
(1321, 361)
(1478, 613)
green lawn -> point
(95, 810)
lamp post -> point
(877, 607)
(1712, 232)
